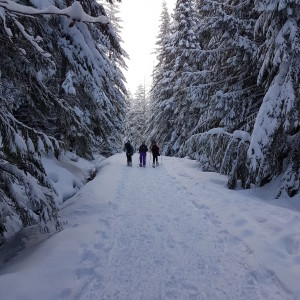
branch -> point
(75, 12)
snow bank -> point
(68, 174)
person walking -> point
(143, 152)
(128, 148)
(154, 148)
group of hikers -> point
(143, 149)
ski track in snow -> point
(156, 240)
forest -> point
(225, 92)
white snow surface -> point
(170, 232)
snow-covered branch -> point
(75, 12)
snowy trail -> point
(144, 233)
(158, 243)
(168, 248)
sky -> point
(140, 29)
(170, 232)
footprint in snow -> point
(291, 244)
(260, 219)
(240, 223)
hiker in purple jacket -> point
(143, 152)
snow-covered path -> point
(144, 233)
(159, 244)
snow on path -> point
(163, 246)
(144, 233)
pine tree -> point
(162, 42)
(225, 88)
(226, 84)
(137, 116)
(174, 101)
(58, 90)
(277, 126)
(262, 46)
(112, 10)
(237, 111)
(160, 89)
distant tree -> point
(160, 88)
(137, 116)
(174, 101)
(162, 42)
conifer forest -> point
(225, 92)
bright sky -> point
(140, 29)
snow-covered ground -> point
(172, 232)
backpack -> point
(128, 149)
(155, 150)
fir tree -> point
(58, 90)
(160, 88)
(137, 116)
(262, 46)
(225, 89)
(226, 84)
(174, 101)
(112, 10)
(277, 124)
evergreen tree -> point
(58, 90)
(160, 88)
(112, 10)
(137, 117)
(233, 101)
(162, 42)
(276, 129)
(226, 83)
(261, 98)
(174, 102)
(225, 89)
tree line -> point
(226, 89)
(61, 88)
(225, 92)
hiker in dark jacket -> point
(128, 148)
(143, 152)
(154, 148)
